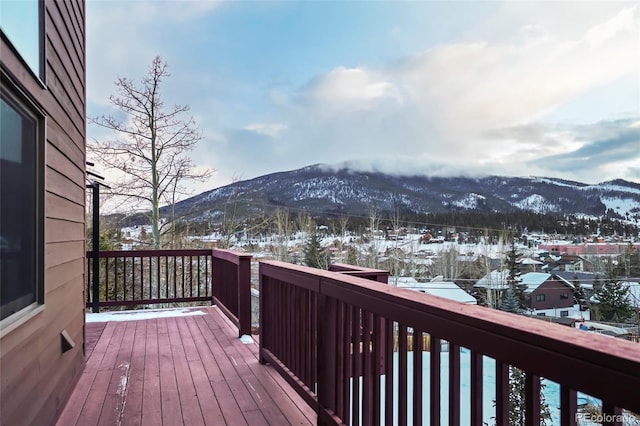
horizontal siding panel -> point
(72, 11)
(50, 106)
(41, 382)
(57, 207)
(52, 392)
(58, 253)
(58, 63)
(61, 185)
(65, 106)
(62, 87)
(58, 230)
(62, 164)
(66, 46)
(59, 139)
(64, 273)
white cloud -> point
(273, 130)
(447, 105)
(351, 89)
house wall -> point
(36, 375)
(552, 289)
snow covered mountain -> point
(324, 190)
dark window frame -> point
(540, 297)
(18, 100)
(564, 295)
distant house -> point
(546, 291)
(526, 264)
(494, 280)
(566, 263)
(582, 280)
(444, 289)
(489, 288)
(42, 206)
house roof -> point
(585, 279)
(445, 289)
(529, 261)
(448, 290)
(495, 280)
(533, 280)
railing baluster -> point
(367, 370)
(341, 356)
(417, 376)
(389, 415)
(378, 356)
(502, 394)
(531, 399)
(435, 382)
(356, 331)
(106, 278)
(175, 276)
(125, 281)
(158, 276)
(115, 278)
(454, 384)
(349, 353)
(402, 375)
(568, 406)
(190, 276)
(141, 278)
(476, 388)
(612, 415)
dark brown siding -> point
(552, 290)
(36, 375)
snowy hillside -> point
(324, 190)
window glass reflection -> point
(20, 21)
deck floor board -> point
(186, 370)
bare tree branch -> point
(152, 145)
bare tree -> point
(151, 146)
(283, 225)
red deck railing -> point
(232, 287)
(344, 344)
(379, 275)
(143, 277)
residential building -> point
(42, 206)
(545, 291)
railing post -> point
(95, 302)
(244, 295)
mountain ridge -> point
(329, 190)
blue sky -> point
(516, 88)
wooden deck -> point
(188, 370)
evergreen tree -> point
(613, 301)
(314, 255)
(352, 256)
(514, 278)
(511, 302)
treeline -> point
(473, 224)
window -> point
(540, 297)
(541, 314)
(20, 21)
(564, 313)
(564, 295)
(21, 201)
